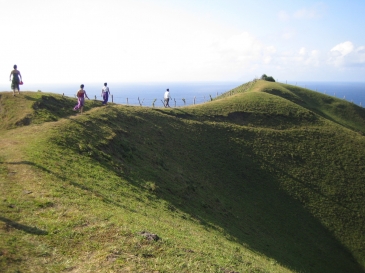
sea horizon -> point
(187, 93)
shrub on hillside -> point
(267, 78)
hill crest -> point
(282, 192)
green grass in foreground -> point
(261, 181)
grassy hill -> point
(267, 178)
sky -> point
(66, 41)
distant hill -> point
(268, 177)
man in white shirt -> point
(166, 98)
(105, 93)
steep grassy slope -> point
(266, 180)
(35, 108)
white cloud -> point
(313, 58)
(283, 16)
(303, 59)
(313, 12)
(244, 50)
(346, 55)
(289, 34)
(308, 13)
(343, 49)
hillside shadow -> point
(235, 194)
(315, 104)
(220, 184)
(27, 229)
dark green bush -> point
(267, 78)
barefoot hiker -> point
(105, 93)
(16, 80)
(80, 99)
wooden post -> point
(194, 100)
(127, 101)
(112, 99)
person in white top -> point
(167, 98)
(105, 93)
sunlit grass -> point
(253, 182)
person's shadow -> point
(28, 229)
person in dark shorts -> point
(15, 78)
(166, 98)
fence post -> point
(127, 101)
(194, 100)
(95, 97)
(112, 99)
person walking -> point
(16, 79)
(81, 94)
(105, 93)
(167, 98)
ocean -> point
(188, 93)
(351, 91)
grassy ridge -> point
(261, 181)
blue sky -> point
(182, 40)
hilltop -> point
(266, 178)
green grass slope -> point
(268, 178)
(35, 108)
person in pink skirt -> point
(81, 94)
